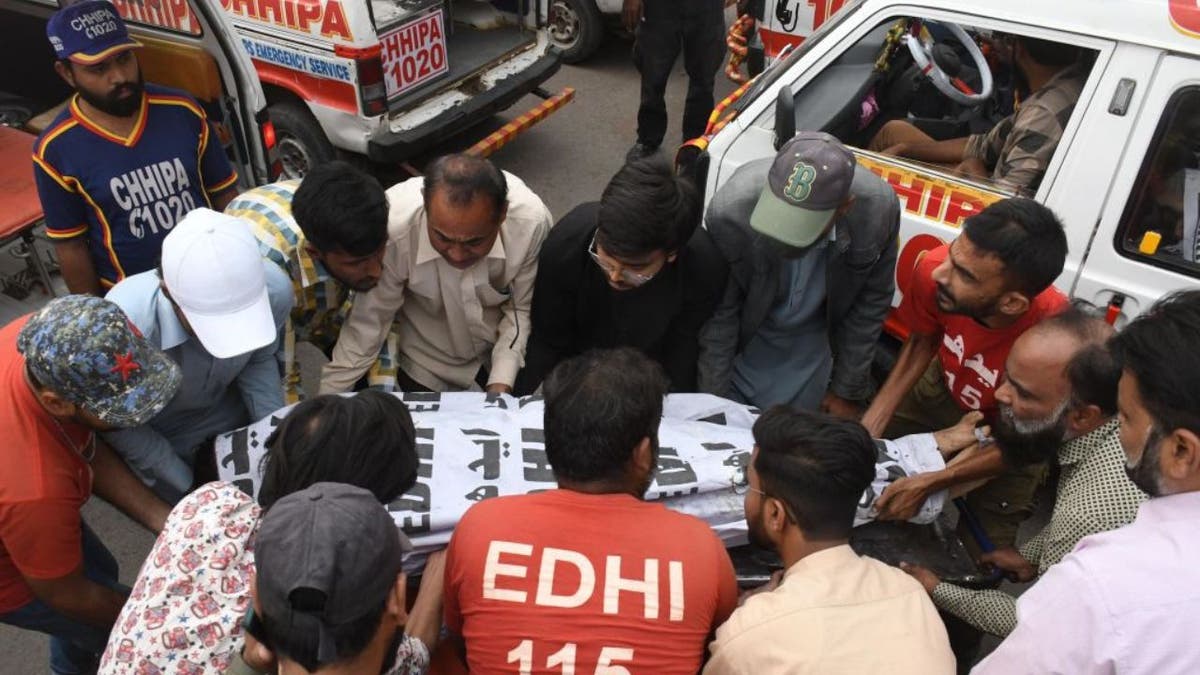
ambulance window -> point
(1160, 224)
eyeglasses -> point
(628, 276)
(740, 482)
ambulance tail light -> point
(268, 134)
(368, 64)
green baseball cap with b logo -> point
(809, 179)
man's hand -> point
(837, 406)
(631, 14)
(961, 435)
(922, 574)
(974, 167)
(498, 388)
(256, 655)
(1014, 565)
(903, 499)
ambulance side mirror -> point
(785, 116)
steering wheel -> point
(951, 85)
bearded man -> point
(1058, 400)
(125, 160)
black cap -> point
(336, 545)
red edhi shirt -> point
(972, 355)
(562, 581)
(43, 486)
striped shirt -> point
(1094, 495)
(125, 193)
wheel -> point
(15, 111)
(301, 141)
(576, 28)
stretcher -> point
(20, 208)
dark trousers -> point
(698, 28)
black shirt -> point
(574, 308)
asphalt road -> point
(566, 159)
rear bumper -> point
(392, 147)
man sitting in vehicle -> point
(810, 237)
(458, 277)
(630, 270)
(328, 233)
(1016, 152)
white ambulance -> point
(388, 78)
(1124, 178)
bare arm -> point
(75, 262)
(950, 151)
(114, 483)
(80, 598)
(221, 199)
(425, 618)
(914, 358)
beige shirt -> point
(446, 319)
(835, 613)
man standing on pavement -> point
(630, 270)
(966, 304)
(74, 368)
(328, 234)
(832, 611)
(661, 28)
(810, 238)
(1127, 601)
(590, 575)
(216, 308)
(123, 163)
(458, 275)
(1058, 398)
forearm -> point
(991, 611)
(914, 358)
(987, 463)
(76, 267)
(114, 483)
(84, 600)
(949, 151)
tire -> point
(300, 140)
(576, 28)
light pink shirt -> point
(1125, 601)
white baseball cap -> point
(213, 270)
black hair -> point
(1159, 350)
(1049, 53)
(463, 177)
(299, 642)
(1027, 238)
(818, 465)
(599, 406)
(647, 208)
(340, 207)
(366, 440)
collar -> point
(312, 272)
(1182, 506)
(91, 125)
(827, 561)
(170, 330)
(1077, 449)
(426, 252)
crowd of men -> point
(459, 280)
